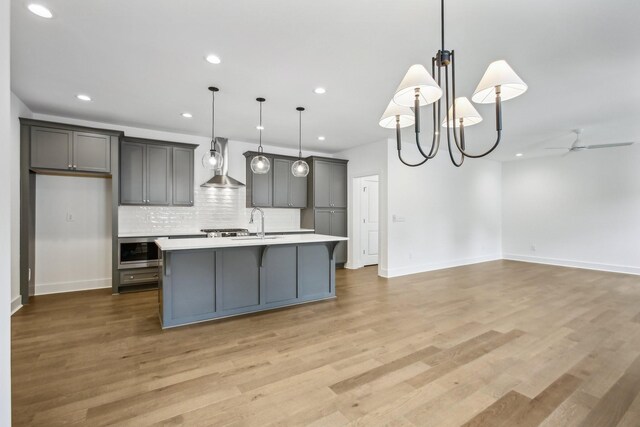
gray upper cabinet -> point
(288, 191)
(277, 188)
(259, 185)
(322, 184)
(91, 152)
(133, 168)
(182, 176)
(61, 149)
(51, 148)
(330, 184)
(160, 174)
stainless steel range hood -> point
(221, 179)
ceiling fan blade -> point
(618, 144)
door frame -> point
(354, 225)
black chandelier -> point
(419, 88)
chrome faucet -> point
(261, 233)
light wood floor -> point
(499, 343)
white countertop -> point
(288, 230)
(230, 242)
(160, 233)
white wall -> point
(18, 109)
(5, 214)
(446, 216)
(73, 233)
(369, 159)
(582, 210)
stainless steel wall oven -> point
(137, 252)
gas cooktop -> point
(225, 232)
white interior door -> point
(369, 223)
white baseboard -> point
(422, 268)
(79, 285)
(575, 264)
(16, 304)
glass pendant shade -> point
(300, 168)
(260, 164)
(465, 111)
(388, 119)
(417, 78)
(212, 160)
(499, 73)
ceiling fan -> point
(578, 145)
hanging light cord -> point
(300, 136)
(213, 119)
(260, 129)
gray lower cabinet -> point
(160, 174)
(312, 275)
(333, 223)
(288, 191)
(238, 276)
(60, 149)
(281, 274)
(182, 176)
(203, 284)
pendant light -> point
(300, 168)
(212, 159)
(419, 88)
(260, 164)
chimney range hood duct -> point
(221, 179)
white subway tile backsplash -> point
(213, 208)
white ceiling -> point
(143, 63)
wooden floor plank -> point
(495, 343)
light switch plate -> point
(398, 218)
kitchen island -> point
(211, 278)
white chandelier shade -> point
(499, 73)
(417, 78)
(465, 111)
(388, 119)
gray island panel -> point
(238, 274)
(211, 283)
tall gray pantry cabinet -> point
(327, 202)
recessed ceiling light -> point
(187, 115)
(82, 97)
(212, 59)
(519, 155)
(260, 127)
(319, 90)
(321, 138)
(40, 10)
